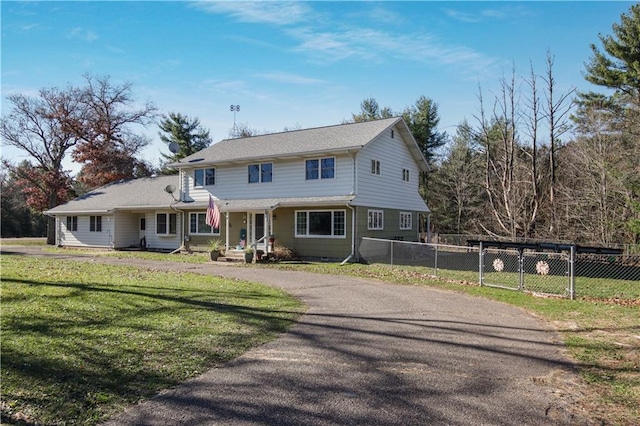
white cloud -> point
(271, 12)
(282, 77)
(80, 33)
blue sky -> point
(296, 64)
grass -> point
(81, 341)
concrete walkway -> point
(370, 353)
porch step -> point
(232, 256)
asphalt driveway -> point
(370, 353)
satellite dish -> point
(170, 189)
(174, 147)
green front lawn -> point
(81, 341)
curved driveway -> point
(370, 353)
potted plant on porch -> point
(248, 254)
(215, 249)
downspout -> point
(353, 235)
(353, 215)
(180, 222)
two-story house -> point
(317, 191)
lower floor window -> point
(406, 220)
(321, 223)
(95, 223)
(72, 223)
(198, 224)
(166, 223)
(376, 220)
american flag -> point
(213, 214)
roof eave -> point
(288, 156)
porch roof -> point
(268, 203)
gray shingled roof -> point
(297, 142)
(142, 193)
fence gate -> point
(500, 268)
(547, 273)
(512, 269)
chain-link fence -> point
(565, 274)
(455, 262)
(607, 276)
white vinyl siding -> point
(84, 237)
(384, 191)
(288, 180)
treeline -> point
(538, 163)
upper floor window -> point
(376, 220)
(375, 167)
(95, 224)
(166, 223)
(72, 223)
(406, 220)
(321, 168)
(405, 175)
(198, 224)
(321, 223)
(204, 177)
(260, 172)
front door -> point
(258, 227)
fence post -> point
(391, 253)
(521, 268)
(435, 264)
(572, 273)
(481, 265)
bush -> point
(282, 253)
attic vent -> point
(392, 134)
(195, 160)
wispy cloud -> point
(497, 13)
(83, 34)
(378, 46)
(279, 13)
(283, 77)
(324, 40)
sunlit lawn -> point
(81, 341)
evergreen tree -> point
(618, 67)
(187, 133)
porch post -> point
(226, 230)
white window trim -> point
(379, 226)
(204, 177)
(73, 221)
(168, 222)
(378, 169)
(332, 236)
(401, 222)
(200, 233)
(93, 222)
(260, 172)
(319, 160)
